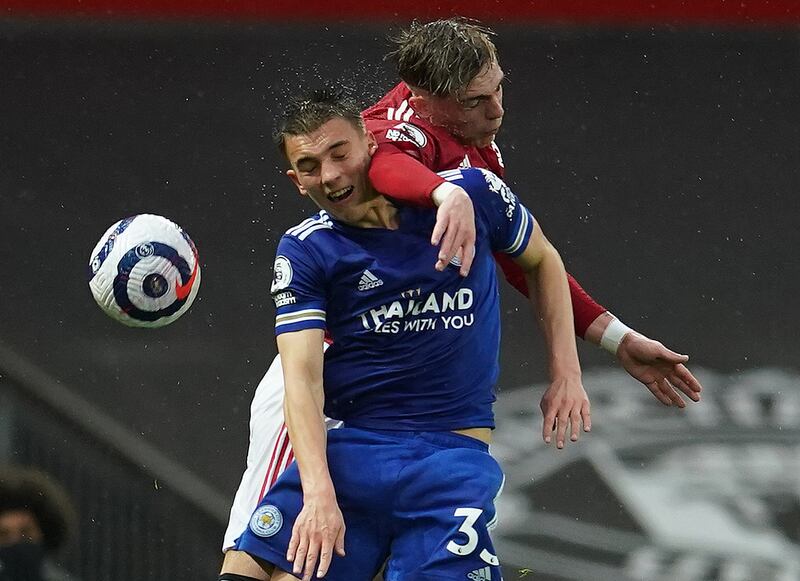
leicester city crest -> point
(266, 520)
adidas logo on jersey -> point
(484, 574)
(369, 281)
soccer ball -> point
(144, 271)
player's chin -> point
(485, 140)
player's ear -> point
(372, 143)
(421, 105)
(293, 176)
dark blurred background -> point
(658, 147)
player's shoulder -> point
(393, 118)
(404, 132)
(307, 231)
(393, 106)
(488, 190)
(475, 180)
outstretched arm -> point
(661, 370)
(319, 528)
(565, 403)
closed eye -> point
(472, 102)
(306, 167)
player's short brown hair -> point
(306, 114)
(442, 57)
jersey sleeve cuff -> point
(299, 320)
(522, 234)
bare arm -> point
(319, 528)
(565, 402)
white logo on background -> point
(484, 574)
(369, 281)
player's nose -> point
(494, 107)
(329, 173)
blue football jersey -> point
(413, 348)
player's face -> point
(475, 116)
(330, 166)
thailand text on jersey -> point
(413, 348)
(392, 120)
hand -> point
(662, 371)
(318, 530)
(455, 220)
(565, 403)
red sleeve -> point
(584, 308)
(400, 176)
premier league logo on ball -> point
(144, 271)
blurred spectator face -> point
(19, 526)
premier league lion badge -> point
(266, 521)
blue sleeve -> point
(508, 223)
(298, 288)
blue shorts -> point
(422, 500)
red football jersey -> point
(411, 149)
(393, 122)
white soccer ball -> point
(144, 271)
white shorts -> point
(269, 453)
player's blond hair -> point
(444, 56)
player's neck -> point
(379, 213)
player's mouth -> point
(341, 195)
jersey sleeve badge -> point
(409, 133)
(498, 186)
(281, 274)
(281, 278)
